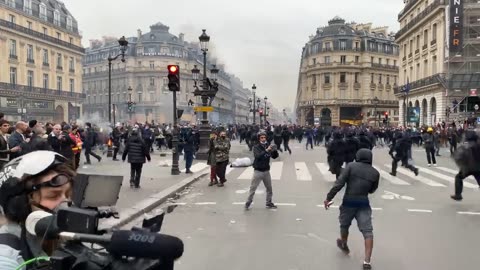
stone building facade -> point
(344, 66)
(40, 67)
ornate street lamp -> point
(375, 103)
(123, 43)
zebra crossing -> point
(437, 177)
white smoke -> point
(96, 120)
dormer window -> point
(43, 11)
(56, 17)
(69, 23)
(27, 6)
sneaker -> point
(429, 165)
(188, 171)
(393, 174)
(456, 197)
(416, 171)
(220, 185)
(212, 183)
(343, 246)
(367, 266)
(247, 206)
(434, 165)
(271, 206)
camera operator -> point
(37, 181)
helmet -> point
(429, 129)
(14, 190)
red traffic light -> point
(386, 113)
(172, 69)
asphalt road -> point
(416, 224)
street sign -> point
(203, 109)
(473, 92)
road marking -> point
(392, 179)
(377, 209)
(197, 167)
(446, 178)
(420, 210)
(247, 174)
(229, 170)
(177, 203)
(276, 170)
(205, 203)
(286, 204)
(418, 177)
(454, 172)
(302, 172)
(469, 213)
(327, 175)
(331, 206)
(239, 203)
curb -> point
(152, 202)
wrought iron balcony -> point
(434, 79)
(45, 64)
(377, 65)
(13, 56)
(39, 35)
(30, 60)
(25, 89)
(427, 11)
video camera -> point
(139, 248)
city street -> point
(416, 224)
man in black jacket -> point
(361, 179)
(261, 164)
(62, 143)
(89, 143)
(137, 151)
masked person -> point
(222, 151)
(37, 181)
(262, 153)
(137, 151)
(361, 179)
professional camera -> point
(77, 225)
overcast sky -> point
(260, 41)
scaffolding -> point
(463, 67)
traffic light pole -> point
(174, 85)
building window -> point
(343, 59)
(152, 64)
(434, 65)
(388, 79)
(380, 61)
(152, 81)
(140, 97)
(425, 37)
(425, 68)
(343, 45)
(72, 85)
(394, 63)
(314, 60)
(69, 23)
(71, 40)
(71, 64)
(314, 80)
(411, 46)
(13, 75)
(418, 42)
(327, 46)
(388, 62)
(27, 6)
(380, 47)
(343, 78)
(11, 3)
(45, 56)
(372, 46)
(30, 78)
(327, 59)
(29, 25)
(56, 17)
(356, 77)
(380, 78)
(45, 31)
(434, 32)
(327, 77)
(59, 83)
(372, 76)
(45, 80)
(11, 19)
(357, 46)
(43, 11)
(357, 59)
(371, 60)
(59, 60)
(30, 53)
(59, 35)
(13, 48)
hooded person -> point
(467, 158)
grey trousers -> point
(258, 177)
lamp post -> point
(130, 103)
(265, 113)
(258, 109)
(209, 90)
(254, 88)
(123, 47)
(375, 103)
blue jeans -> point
(188, 160)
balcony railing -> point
(434, 79)
(39, 35)
(13, 56)
(410, 55)
(377, 65)
(31, 61)
(425, 47)
(45, 64)
(420, 16)
(59, 67)
(71, 70)
(433, 42)
(40, 90)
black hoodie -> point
(361, 179)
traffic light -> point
(173, 78)
(260, 111)
(386, 116)
(130, 106)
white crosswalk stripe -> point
(418, 177)
(392, 179)
(445, 177)
(302, 172)
(229, 170)
(197, 167)
(327, 175)
(454, 172)
(247, 174)
(276, 170)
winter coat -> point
(36, 143)
(16, 139)
(222, 149)
(211, 153)
(352, 145)
(62, 146)
(136, 149)
(336, 151)
(261, 160)
(361, 179)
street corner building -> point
(347, 75)
(142, 79)
(440, 61)
(40, 67)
